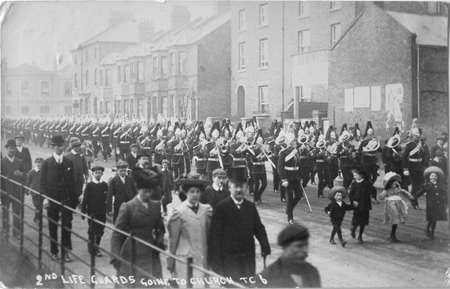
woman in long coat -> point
(141, 217)
(188, 228)
(396, 209)
(436, 198)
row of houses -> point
(176, 73)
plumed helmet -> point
(302, 138)
(393, 141)
(345, 136)
(289, 137)
(372, 146)
(321, 144)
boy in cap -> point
(94, 205)
(292, 270)
(34, 181)
(217, 191)
(121, 188)
(166, 184)
(336, 210)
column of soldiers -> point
(296, 154)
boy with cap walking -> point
(121, 188)
(94, 205)
(34, 181)
(292, 270)
(217, 191)
(336, 210)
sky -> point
(35, 32)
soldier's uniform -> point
(106, 141)
(346, 153)
(415, 160)
(306, 164)
(258, 173)
(289, 169)
(369, 160)
(124, 145)
(321, 161)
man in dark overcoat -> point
(235, 223)
(23, 152)
(13, 168)
(57, 183)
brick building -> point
(280, 55)
(31, 91)
(390, 67)
(180, 73)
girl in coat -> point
(361, 194)
(396, 208)
(436, 198)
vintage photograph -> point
(224, 144)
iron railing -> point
(18, 198)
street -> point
(416, 261)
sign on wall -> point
(393, 103)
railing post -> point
(133, 254)
(189, 271)
(41, 204)
(93, 249)
(63, 249)
(22, 209)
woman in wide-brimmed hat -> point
(436, 198)
(396, 209)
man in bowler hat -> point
(57, 182)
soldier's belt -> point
(239, 159)
(147, 148)
(202, 159)
(291, 168)
(320, 161)
(258, 163)
(105, 135)
(370, 155)
(213, 160)
(415, 160)
(124, 142)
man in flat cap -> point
(80, 167)
(121, 189)
(217, 191)
(57, 183)
(13, 168)
(292, 270)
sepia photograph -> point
(224, 144)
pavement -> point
(415, 262)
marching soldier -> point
(321, 160)
(124, 144)
(289, 169)
(257, 158)
(368, 151)
(415, 160)
(332, 160)
(346, 154)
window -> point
(125, 73)
(155, 65)
(335, 33)
(433, 7)
(164, 65)
(87, 78)
(82, 80)
(263, 11)
(140, 72)
(241, 20)
(107, 76)
(25, 86)
(75, 80)
(67, 89)
(75, 59)
(302, 8)
(25, 109)
(303, 41)
(95, 77)
(303, 94)
(241, 56)
(95, 52)
(86, 55)
(8, 88)
(101, 77)
(263, 53)
(334, 5)
(263, 96)
(133, 74)
(44, 88)
(181, 62)
(119, 74)
(44, 109)
(173, 63)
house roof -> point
(430, 30)
(27, 69)
(127, 32)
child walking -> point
(336, 210)
(94, 205)
(396, 209)
(34, 181)
(436, 198)
(361, 194)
